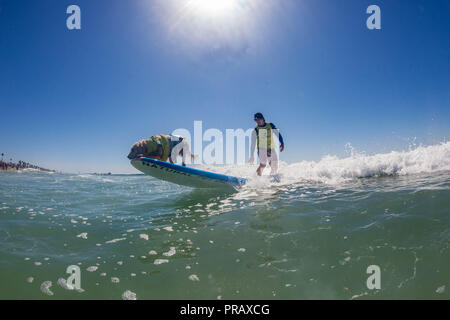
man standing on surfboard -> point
(162, 147)
(262, 137)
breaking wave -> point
(332, 169)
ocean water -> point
(311, 236)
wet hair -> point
(259, 115)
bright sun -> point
(212, 7)
(214, 24)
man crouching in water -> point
(262, 139)
(162, 147)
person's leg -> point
(262, 155)
(260, 169)
(273, 162)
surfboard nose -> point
(136, 162)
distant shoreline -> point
(10, 169)
(21, 166)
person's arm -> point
(252, 147)
(280, 137)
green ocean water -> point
(296, 240)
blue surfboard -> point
(186, 176)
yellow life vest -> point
(264, 134)
(158, 139)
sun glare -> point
(213, 7)
(214, 24)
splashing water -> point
(334, 170)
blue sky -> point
(75, 100)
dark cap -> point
(259, 115)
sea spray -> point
(332, 169)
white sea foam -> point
(440, 289)
(160, 261)
(115, 280)
(194, 277)
(115, 240)
(45, 288)
(82, 235)
(129, 295)
(332, 169)
(170, 253)
(63, 283)
(143, 236)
